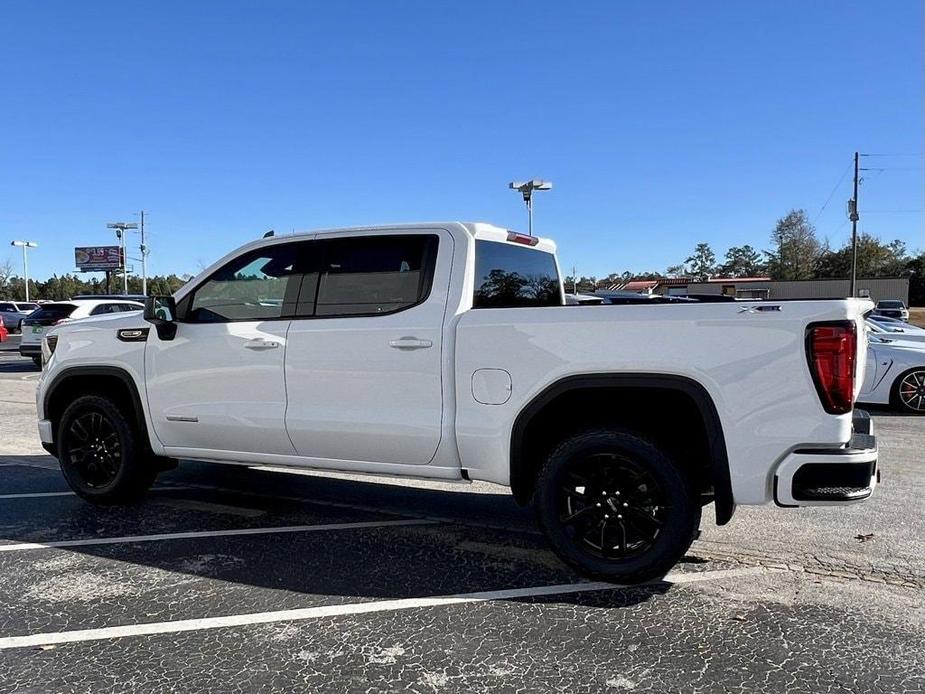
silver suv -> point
(892, 308)
(12, 313)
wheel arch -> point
(110, 381)
(545, 408)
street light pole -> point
(121, 228)
(25, 260)
(526, 189)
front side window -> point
(508, 276)
(252, 287)
(374, 275)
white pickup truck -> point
(445, 351)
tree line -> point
(65, 286)
(795, 253)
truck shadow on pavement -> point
(468, 542)
(18, 366)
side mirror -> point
(161, 311)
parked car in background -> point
(895, 373)
(13, 312)
(894, 324)
(55, 313)
(892, 308)
(912, 334)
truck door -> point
(219, 384)
(363, 362)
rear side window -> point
(105, 308)
(52, 312)
(372, 275)
(7, 307)
(508, 276)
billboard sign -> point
(97, 258)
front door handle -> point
(410, 343)
(260, 344)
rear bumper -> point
(831, 476)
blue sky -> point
(661, 124)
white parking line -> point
(80, 635)
(41, 495)
(131, 539)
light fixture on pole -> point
(121, 228)
(526, 188)
(25, 261)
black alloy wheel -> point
(615, 506)
(101, 454)
(94, 450)
(611, 505)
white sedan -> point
(896, 330)
(57, 312)
(895, 373)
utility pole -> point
(144, 257)
(853, 216)
(574, 280)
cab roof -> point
(478, 230)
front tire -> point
(100, 454)
(614, 507)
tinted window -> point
(507, 275)
(104, 308)
(52, 312)
(130, 307)
(251, 287)
(890, 304)
(27, 307)
(374, 275)
(7, 307)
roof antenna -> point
(269, 234)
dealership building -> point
(765, 288)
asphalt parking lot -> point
(243, 579)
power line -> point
(898, 154)
(829, 199)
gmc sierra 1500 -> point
(445, 351)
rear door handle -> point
(410, 343)
(260, 344)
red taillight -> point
(832, 350)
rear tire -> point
(614, 507)
(100, 453)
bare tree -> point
(6, 271)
